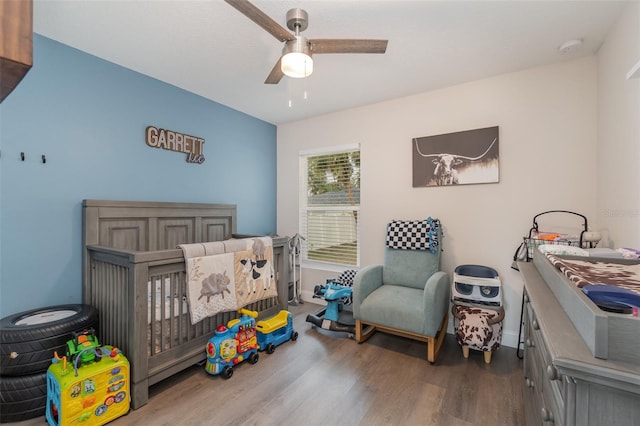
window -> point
(330, 205)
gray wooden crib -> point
(134, 274)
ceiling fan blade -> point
(327, 45)
(262, 19)
(275, 75)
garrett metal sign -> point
(175, 141)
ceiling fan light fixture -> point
(296, 59)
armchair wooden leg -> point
(431, 350)
(434, 344)
(487, 357)
(363, 332)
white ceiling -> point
(209, 48)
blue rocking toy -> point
(337, 293)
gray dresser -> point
(563, 383)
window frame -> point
(303, 208)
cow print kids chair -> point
(477, 309)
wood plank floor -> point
(325, 378)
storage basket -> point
(542, 238)
(537, 237)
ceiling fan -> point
(296, 58)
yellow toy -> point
(275, 331)
(90, 385)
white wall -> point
(619, 133)
(547, 118)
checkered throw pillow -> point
(346, 278)
(413, 234)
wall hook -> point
(22, 156)
(44, 159)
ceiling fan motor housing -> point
(297, 20)
(299, 45)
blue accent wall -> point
(88, 117)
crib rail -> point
(141, 301)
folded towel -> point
(214, 247)
(232, 246)
(629, 253)
(562, 249)
(192, 250)
(547, 236)
(258, 245)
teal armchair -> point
(408, 296)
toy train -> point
(275, 331)
(243, 337)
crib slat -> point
(110, 298)
(165, 326)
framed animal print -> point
(460, 158)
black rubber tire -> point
(271, 348)
(227, 372)
(28, 349)
(254, 357)
(294, 336)
(23, 397)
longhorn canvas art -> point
(459, 158)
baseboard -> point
(509, 339)
(307, 296)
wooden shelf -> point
(16, 45)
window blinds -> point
(330, 205)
